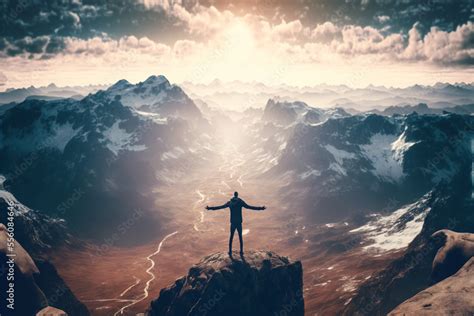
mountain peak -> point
(122, 83)
(259, 283)
(156, 80)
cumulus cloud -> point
(163, 4)
(450, 47)
(202, 20)
(290, 31)
(324, 32)
(98, 46)
(367, 40)
(441, 47)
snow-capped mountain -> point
(155, 95)
(286, 113)
(95, 161)
(341, 165)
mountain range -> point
(83, 159)
(77, 168)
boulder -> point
(51, 311)
(458, 248)
(259, 283)
(452, 296)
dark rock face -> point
(35, 231)
(453, 296)
(261, 283)
(56, 290)
(412, 273)
(36, 283)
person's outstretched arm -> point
(250, 207)
(214, 208)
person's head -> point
(236, 194)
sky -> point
(296, 42)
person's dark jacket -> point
(235, 204)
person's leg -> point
(232, 231)
(239, 230)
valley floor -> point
(123, 281)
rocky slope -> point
(412, 272)
(36, 231)
(453, 296)
(261, 283)
(37, 280)
(36, 284)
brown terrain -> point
(123, 281)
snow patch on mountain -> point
(62, 135)
(155, 117)
(339, 155)
(17, 207)
(382, 156)
(396, 230)
(118, 139)
(401, 146)
(310, 173)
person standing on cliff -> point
(235, 205)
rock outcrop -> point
(458, 248)
(260, 283)
(453, 296)
(412, 272)
(36, 284)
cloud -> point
(72, 18)
(26, 46)
(289, 31)
(441, 47)
(450, 47)
(98, 46)
(367, 40)
(163, 4)
(382, 18)
(202, 20)
(325, 32)
(212, 41)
